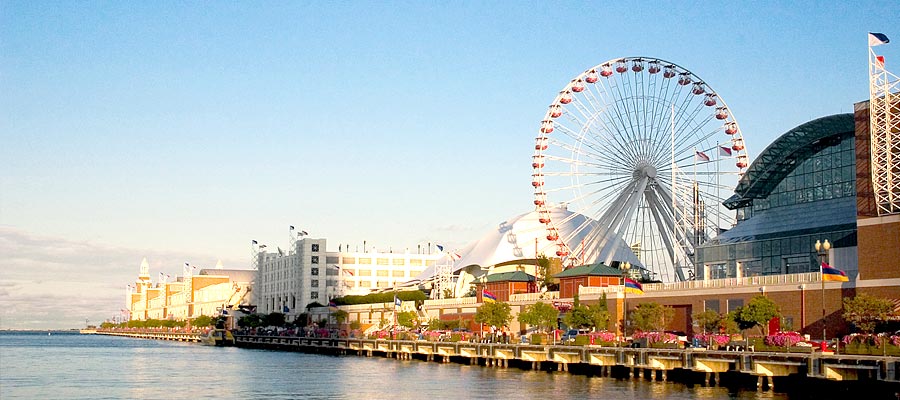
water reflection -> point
(99, 366)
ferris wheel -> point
(648, 152)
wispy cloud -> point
(52, 282)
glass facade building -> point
(800, 189)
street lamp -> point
(625, 267)
(822, 250)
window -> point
(398, 274)
(382, 261)
(315, 247)
(314, 271)
(711, 305)
(383, 284)
(365, 284)
(314, 283)
(314, 295)
(365, 272)
(332, 259)
(315, 259)
(349, 260)
(399, 261)
(365, 260)
(734, 304)
(415, 262)
(382, 272)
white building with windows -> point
(289, 281)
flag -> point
(292, 227)
(702, 156)
(724, 151)
(440, 248)
(397, 301)
(255, 242)
(262, 246)
(633, 286)
(304, 233)
(833, 274)
(487, 297)
(286, 309)
(455, 256)
(876, 39)
(331, 304)
(880, 60)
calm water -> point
(65, 365)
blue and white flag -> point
(397, 301)
(877, 39)
(440, 248)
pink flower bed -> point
(715, 339)
(604, 336)
(877, 340)
(784, 339)
(656, 337)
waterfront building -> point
(307, 274)
(209, 292)
(504, 284)
(800, 189)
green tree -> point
(302, 319)
(407, 319)
(865, 312)
(543, 271)
(250, 321)
(273, 319)
(355, 325)
(707, 320)
(651, 316)
(496, 314)
(540, 314)
(202, 321)
(578, 317)
(757, 313)
(340, 316)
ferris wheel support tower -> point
(884, 128)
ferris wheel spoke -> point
(612, 130)
(617, 120)
(601, 153)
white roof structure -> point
(524, 237)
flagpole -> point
(822, 250)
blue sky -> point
(181, 131)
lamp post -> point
(822, 250)
(625, 267)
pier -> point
(647, 363)
(173, 336)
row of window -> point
(730, 304)
(416, 262)
(384, 272)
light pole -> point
(822, 250)
(625, 268)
